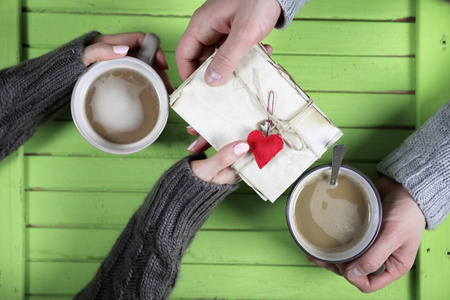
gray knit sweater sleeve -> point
(144, 262)
(422, 165)
(34, 90)
(290, 8)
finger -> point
(166, 80)
(196, 42)
(334, 269)
(160, 60)
(371, 283)
(226, 176)
(319, 263)
(199, 145)
(268, 48)
(228, 56)
(192, 131)
(132, 39)
(388, 241)
(101, 51)
(160, 65)
(330, 267)
(341, 268)
(208, 169)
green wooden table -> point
(378, 69)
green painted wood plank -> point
(433, 269)
(46, 30)
(58, 278)
(360, 10)
(433, 57)
(64, 244)
(223, 281)
(12, 227)
(113, 210)
(62, 139)
(87, 173)
(10, 38)
(12, 273)
(433, 91)
(324, 9)
(271, 282)
(243, 210)
(48, 297)
(392, 75)
(357, 74)
(346, 109)
(101, 173)
(48, 208)
(367, 110)
(344, 38)
(209, 247)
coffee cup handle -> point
(148, 49)
(379, 271)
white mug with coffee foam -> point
(142, 66)
(372, 226)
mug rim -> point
(378, 204)
(78, 100)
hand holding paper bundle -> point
(239, 106)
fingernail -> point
(189, 127)
(192, 145)
(241, 148)
(212, 77)
(120, 49)
(354, 274)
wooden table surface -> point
(378, 69)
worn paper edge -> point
(286, 76)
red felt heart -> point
(264, 149)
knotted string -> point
(270, 110)
(282, 126)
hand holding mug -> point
(120, 104)
(396, 245)
(108, 47)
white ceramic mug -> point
(141, 65)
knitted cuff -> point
(34, 90)
(290, 8)
(194, 197)
(144, 262)
(422, 165)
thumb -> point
(217, 169)
(102, 51)
(386, 243)
(227, 58)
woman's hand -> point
(108, 47)
(216, 169)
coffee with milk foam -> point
(122, 106)
(332, 218)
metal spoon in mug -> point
(338, 155)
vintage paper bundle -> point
(239, 106)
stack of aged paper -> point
(232, 110)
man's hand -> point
(235, 24)
(396, 245)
